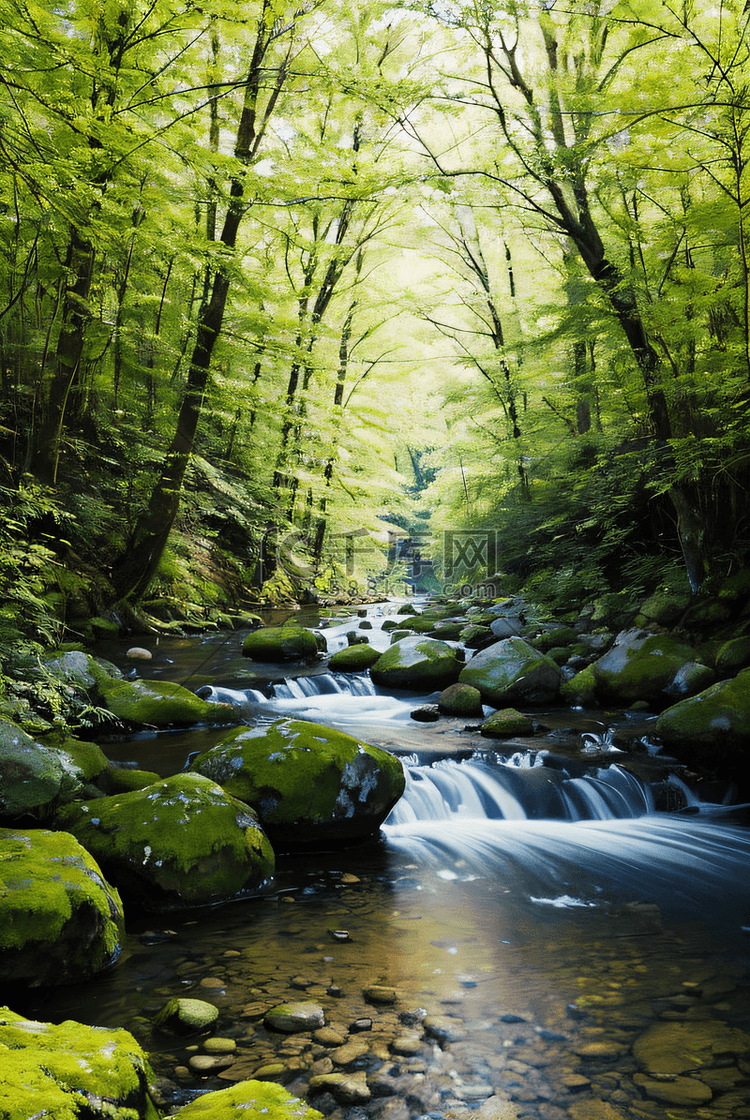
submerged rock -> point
(506, 723)
(460, 700)
(177, 843)
(71, 1070)
(60, 922)
(511, 672)
(416, 663)
(159, 703)
(310, 785)
(293, 1018)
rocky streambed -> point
(531, 937)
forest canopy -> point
(278, 276)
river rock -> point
(281, 643)
(36, 779)
(60, 922)
(186, 1016)
(181, 842)
(292, 1018)
(347, 1088)
(685, 1092)
(510, 672)
(505, 724)
(310, 785)
(640, 666)
(684, 1047)
(71, 1070)
(353, 659)
(733, 656)
(253, 1100)
(690, 679)
(716, 720)
(138, 653)
(417, 663)
(159, 704)
(460, 700)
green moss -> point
(416, 663)
(281, 643)
(49, 885)
(120, 779)
(253, 1100)
(506, 723)
(353, 659)
(57, 1070)
(159, 703)
(294, 771)
(184, 835)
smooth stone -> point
(327, 1036)
(347, 1088)
(497, 1107)
(186, 1015)
(138, 653)
(209, 1063)
(292, 1017)
(603, 1049)
(379, 993)
(406, 1045)
(685, 1091)
(680, 1047)
(347, 1054)
(444, 1028)
(219, 1045)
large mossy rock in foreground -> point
(714, 725)
(417, 663)
(281, 643)
(311, 786)
(252, 1100)
(178, 843)
(60, 922)
(512, 672)
(70, 1070)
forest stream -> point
(531, 936)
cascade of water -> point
(481, 788)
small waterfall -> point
(323, 684)
(522, 789)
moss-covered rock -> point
(640, 666)
(664, 608)
(506, 723)
(310, 785)
(123, 779)
(70, 1070)
(281, 643)
(712, 726)
(60, 922)
(36, 778)
(181, 842)
(416, 663)
(186, 1016)
(460, 700)
(733, 656)
(160, 704)
(475, 635)
(253, 1100)
(353, 659)
(580, 689)
(510, 672)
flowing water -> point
(531, 935)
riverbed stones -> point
(685, 1092)
(60, 921)
(281, 643)
(310, 785)
(416, 663)
(181, 842)
(71, 1070)
(291, 1018)
(505, 724)
(688, 1047)
(460, 700)
(511, 672)
(640, 666)
(253, 1100)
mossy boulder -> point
(460, 700)
(68, 1070)
(505, 724)
(178, 843)
(123, 779)
(35, 779)
(580, 688)
(664, 608)
(60, 922)
(159, 704)
(733, 656)
(353, 659)
(640, 666)
(712, 726)
(511, 672)
(281, 643)
(253, 1100)
(476, 635)
(186, 1016)
(416, 663)
(310, 785)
